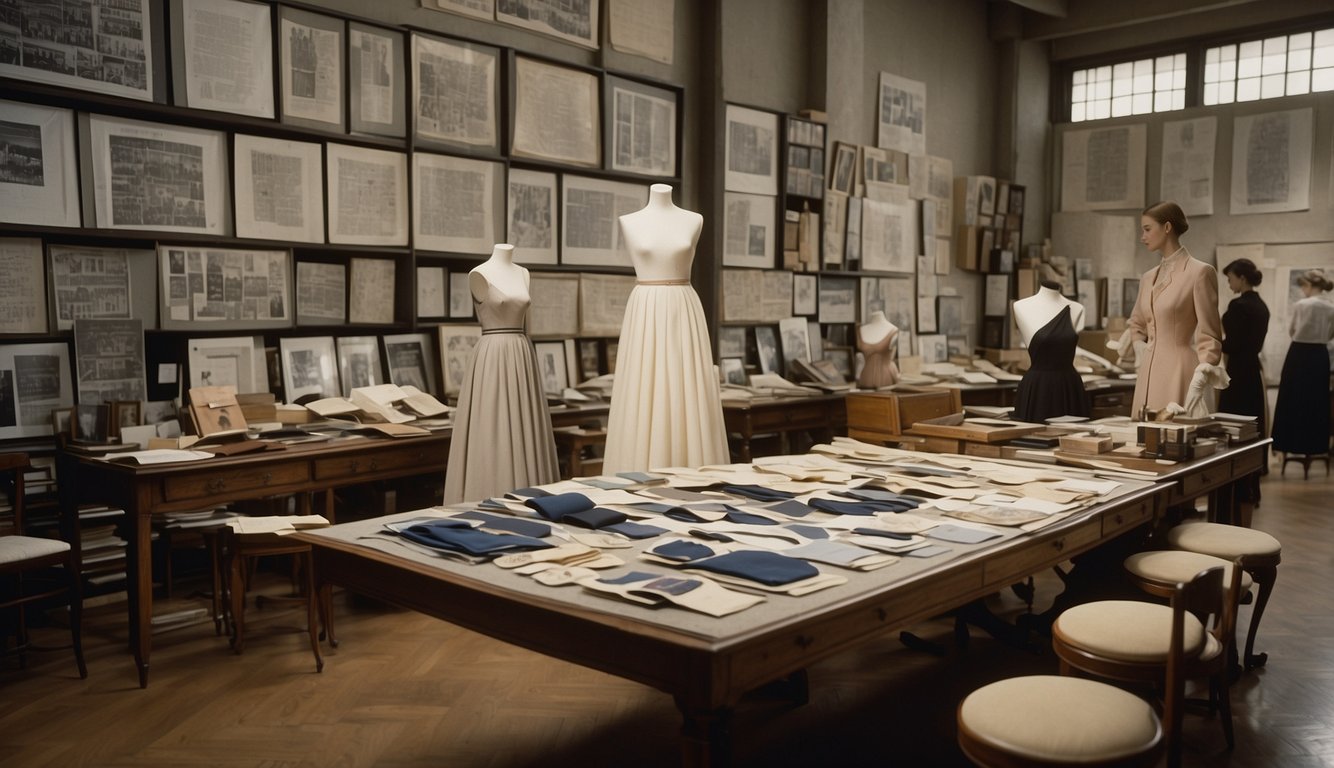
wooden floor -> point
(405, 690)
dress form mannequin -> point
(502, 429)
(876, 340)
(665, 406)
(1050, 325)
(1031, 313)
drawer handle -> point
(805, 642)
(265, 478)
(1118, 519)
(375, 464)
(216, 485)
(352, 465)
(1059, 544)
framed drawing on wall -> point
(39, 181)
(641, 127)
(751, 151)
(455, 89)
(555, 114)
(321, 293)
(748, 226)
(91, 282)
(432, 284)
(554, 311)
(551, 366)
(236, 361)
(311, 63)
(411, 360)
(375, 80)
(44, 368)
(531, 227)
(310, 368)
(590, 359)
(456, 203)
(457, 343)
(804, 297)
(590, 229)
(279, 189)
(358, 362)
(223, 56)
(460, 295)
(572, 22)
(368, 195)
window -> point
(1286, 65)
(1129, 88)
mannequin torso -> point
(1034, 312)
(876, 329)
(875, 340)
(661, 237)
(498, 283)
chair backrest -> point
(12, 467)
(1203, 598)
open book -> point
(381, 403)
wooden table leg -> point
(706, 739)
(314, 607)
(1265, 577)
(139, 561)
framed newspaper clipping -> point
(39, 181)
(457, 203)
(223, 56)
(455, 92)
(311, 69)
(224, 288)
(751, 151)
(590, 227)
(531, 223)
(376, 80)
(310, 368)
(279, 189)
(641, 124)
(572, 22)
(368, 195)
(555, 114)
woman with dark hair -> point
(1301, 418)
(1244, 325)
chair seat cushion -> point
(1226, 541)
(15, 549)
(1175, 566)
(1061, 720)
(1126, 630)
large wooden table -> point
(825, 414)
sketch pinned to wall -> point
(454, 92)
(279, 189)
(310, 48)
(38, 171)
(574, 22)
(375, 80)
(889, 235)
(368, 195)
(748, 227)
(555, 114)
(1271, 162)
(901, 114)
(1188, 164)
(456, 203)
(751, 151)
(432, 285)
(640, 128)
(226, 47)
(1103, 168)
(105, 49)
(22, 294)
(643, 28)
(532, 216)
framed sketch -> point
(901, 114)
(949, 314)
(732, 341)
(456, 203)
(889, 236)
(370, 295)
(804, 294)
(321, 293)
(933, 347)
(555, 114)
(734, 371)
(838, 299)
(311, 69)
(236, 361)
(368, 195)
(455, 89)
(224, 288)
(749, 223)
(310, 368)
(590, 359)
(640, 126)
(410, 358)
(795, 340)
(551, 366)
(531, 224)
(62, 421)
(23, 300)
(751, 151)
(554, 311)
(39, 181)
(158, 177)
(375, 80)
(34, 380)
(457, 343)
(124, 413)
(358, 362)
(590, 230)
(432, 285)
(766, 346)
(43, 43)
(844, 170)
(279, 189)
(225, 49)
(91, 423)
(460, 295)
(572, 22)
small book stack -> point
(821, 374)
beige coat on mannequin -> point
(1177, 315)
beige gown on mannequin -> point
(502, 430)
(665, 406)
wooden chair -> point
(1045, 720)
(239, 552)
(36, 568)
(1136, 641)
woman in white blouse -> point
(1301, 418)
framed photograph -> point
(310, 368)
(805, 297)
(531, 226)
(279, 189)
(456, 203)
(889, 236)
(457, 343)
(844, 170)
(62, 421)
(795, 340)
(734, 371)
(119, 59)
(590, 230)
(24, 288)
(124, 413)
(838, 299)
(223, 56)
(555, 114)
(358, 362)
(933, 347)
(551, 366)
(34, 380)
(554, 311)
(235, 361)
(158, 177)
(732, 341)
(90, 282)
(109, 359)
(460, 295)
(432, 285)
(224, 288)
(321, 293)
(375, 80)
(602, 302)
(751, 151)
(641, 127)
(411, 360)
(749, 223)
(455, 90)
(370, 296)
(91, 423)
(39, 175)
(311, 69)
(841, 359)
(368, 195)
(590, 359)
(958, 345)
(901, 114)
(572, 22)
(766, 346)
(949, 314)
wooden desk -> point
(296, 470)
(826, 414)
(1216, 477)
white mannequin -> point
(879, 368)
(500, 272)
(661, 237)
(874, 330)
(1034, 312)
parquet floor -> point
(406, 690)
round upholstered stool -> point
(1131, 631)
(1157, 572)
(1259, 553)
(1046, 720)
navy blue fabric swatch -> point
(597, 517)
(759, 566)
(757, 492)
(634, 530)
(683, 551)
(791, 508)
(809, 531)
(470, 540)
(559, 505)
(510, 524)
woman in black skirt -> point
(1244, 326)
(1301, 418)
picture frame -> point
(460, 296)
(554, 310)
(543, 94)
(223, 288)
(371, 291)
(602, 302)
(767, 349)
(410, 359)
(312, 67)
(358, 362)
(751, 157)
(590, 233)
(838, 299)
(310, 368)
(949, 314)
(530, 224)
(91, 423)
(321, 293)
(109, 361)
(795, 340)
(184, 188)
(732, 341)
(933, 348)
(236, 361)
(279, 188)
(551, 366)
(733, 371)
(590, 359)
(958, 345)
(39, 175)
(571, 22)
(368, 195)
(455, 93)
(749, 223)
(881, 250)
(62, 421)
(843, 172)
(21, 262)
(457, 203)
(90, 282)
(222, 72)
(24, 412)
(432, 292)
(805, 295)
(901, 114)
(376, 81)
(129, 69)
(457, 343)
(124, 413)
(641, 125)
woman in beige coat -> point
(1176, 314)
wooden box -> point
(882, 415)
(1086, 443)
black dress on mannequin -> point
(1051, 387)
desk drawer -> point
(1122, 520)
(397, 459)
(214, 484)
(1198, 483)
(1247, 463)
(1009, 567)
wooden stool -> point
(571, 442)
(241, 551)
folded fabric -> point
(791, 508)
(557, 506)
(657, 507)
(882, 532)
(682, 551)
(757, 492)
(597, 517)
(450, 536)
(639, 477)
(528, 493)
(849, 507)
(509, 524)
(633, 530)
(746, 518)
(875, 494)
(808, 531)
(759, 566)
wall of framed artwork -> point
(312, 68)
(556, 114)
